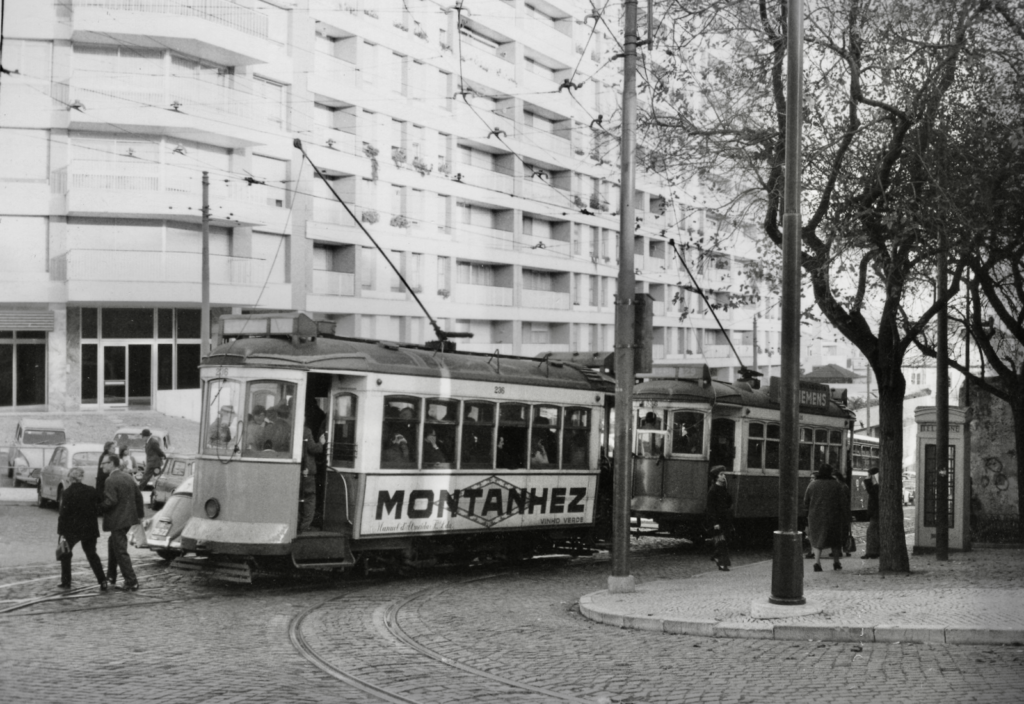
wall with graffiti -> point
(993, 467)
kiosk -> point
(928, 477)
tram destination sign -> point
(403, 504)
(812, 394)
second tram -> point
(686, 426)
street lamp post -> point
(787, 562)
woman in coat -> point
(719, 515)
(77, 524)
(825, 510)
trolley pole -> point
(204, 324)
(787, 563)
(621, 581)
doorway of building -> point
(127, 375)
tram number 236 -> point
(499, 390)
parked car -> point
(909, 491)
(132, 437)
(34, 442)
(162, 531)
(177, 468)
(53, 479)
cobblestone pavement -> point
(185, 639)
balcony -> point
(549, 300)
(546, 142)
(488, 69)
(472, 294)
(477, 236)
(185, 107)
(333, 80)
(147, 190)
(217, 30)
(547, 40)
(717, 278)
(536, 189)
(332, 283)
(483, 178)
(116, 275)
(542, 90)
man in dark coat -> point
(872, 549)
(825, 506)
(77, 524)
(307, 486)
(122, 508)
(155, 457)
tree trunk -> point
(891, 390)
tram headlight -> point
(212, 508)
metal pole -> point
(204, 325)
(942, 414)
(867, 406)
(621, 581)
(787, 563)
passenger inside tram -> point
(400, 433)
(220, 432)
(432, 454)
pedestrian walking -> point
(105, 464)
(76, 523)
(846, 518)
(872, 548)
(824, 503)
(155, 457)
(122, 508)
(307, 500)
(719, 516)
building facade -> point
(471, 143)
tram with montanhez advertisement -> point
(431, 455)
(690, 424)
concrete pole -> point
(621, 581)
(204, 325)
(788, 563)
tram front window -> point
(513, 425)
(222, 426)
(270, 419)
(687, 433)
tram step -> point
(321, 550)
(240, 572)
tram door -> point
(341, 455)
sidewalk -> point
(975, 597)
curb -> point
(882, 633)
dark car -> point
(177, 468)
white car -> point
(53, 480)
(34, 442)
(162, 531)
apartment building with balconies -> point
(472, 144)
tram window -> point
(223, 397)
(270, 419)
(547, 421)
(755, 446)
(650, 444)
(835, 437)
(478, 435)
(821, 436)
(513, 427)
(400, 433)
(771, 447)
(650, 420)
(439, 432)
(687, 433)
(343, 437)
(576, 440)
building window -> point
(22, 368)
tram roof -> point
(336, 354)
(721, 392)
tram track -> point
(456, 676)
